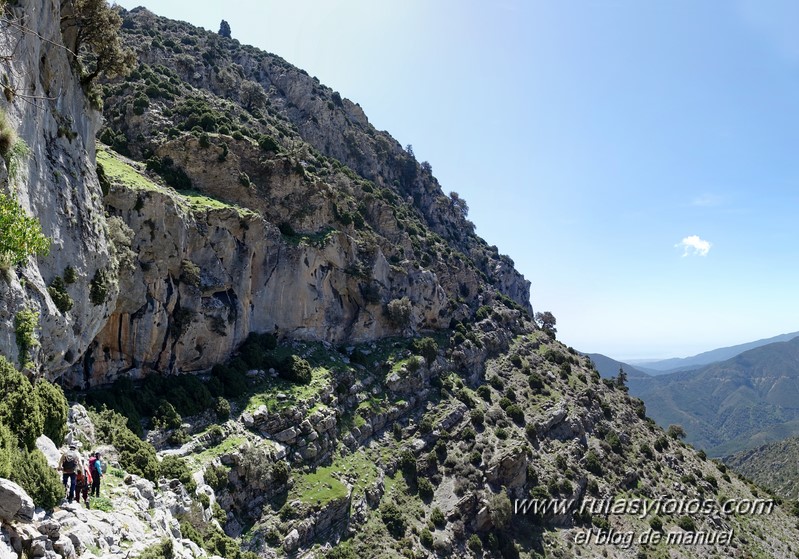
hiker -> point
(83, 481)
(69, 464)
(96, 471)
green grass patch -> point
(267, 392)
(319, 487)
(199, 202)
(120, 172)
(330, 482)
(318, 239)
(227, 445)
(101, 503)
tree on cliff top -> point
(90, 29)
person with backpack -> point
(69, 464)
(83, 481)
(96, 471)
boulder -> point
(292, 541)
(64, 547)
(49, 449)
(15, 504)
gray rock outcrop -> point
(57, 184)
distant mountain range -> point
(737, 404)
(694, 362)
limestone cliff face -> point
(208, 273)
(56, 182)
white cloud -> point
(694, 245)
(707, 200)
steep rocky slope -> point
(774, 465)
(53, 178)
(284, 235)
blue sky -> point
(637, 160)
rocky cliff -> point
(252, 222)
(53, 177)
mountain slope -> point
(705, 358)
(743, 402)
(287, 235)
(369, 381)
(774, 466)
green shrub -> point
(393, 518)
(166, 417)
(484, 392)
(475, 544)
(515, 412)
(190, 273)
(592, 463)
(32, 472)
(162, 550)
(70, 275)
(296, 369)
(483, 312)
(174, 467)
(426, 425)
(280, 472)
(414, 363)
(407, 463)
(475, 457)
(216, 477)
(233, 381)
(612, 438)
(342, 551)
(437, 517)
(178, 437)
(8, 136)
(399, 312)
(535, 381)
(8, 445)
(58, 293)
(135, 455)
(686, 523)
(426, 538)
(25, 323)
(99, 287)
(18, 410)
(268, 143)
(54, 407)
(222, 409)
(656, 523)
(426, 347)
(425, 488)
(501, 510)
(477, 416)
